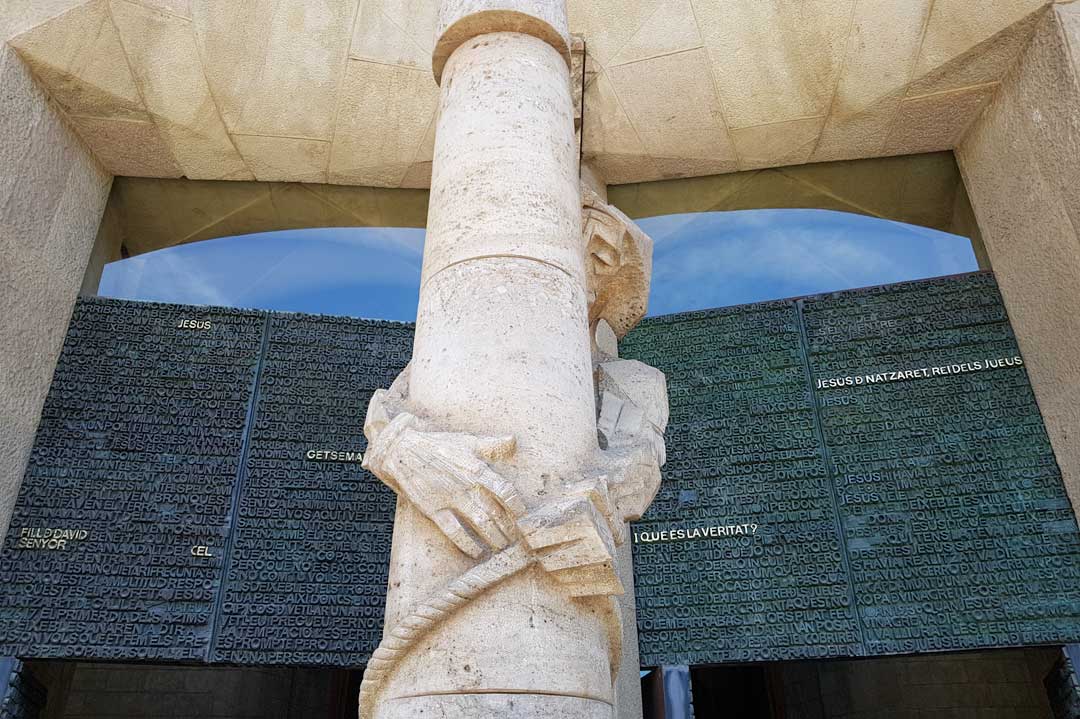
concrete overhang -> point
(340, 92)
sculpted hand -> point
(572, 538)
(445, 475)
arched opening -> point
(701, 260)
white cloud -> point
(167, 277)
(722, 258)
(250, 270)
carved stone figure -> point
(517, 453)
(619, 265)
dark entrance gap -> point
(93, 690)
(1022, 683)
(739, 691)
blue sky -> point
(716, 259)
(700, 260)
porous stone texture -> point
(106, 249)
(502, 348)
(278, 55)
(155, 213)
(510, 508)
(618, 266)
(52, 193)
(499, 706)
(494, 156)
(628, 681)
(165, 57)
(606, 347)
(917, 189)
(1019, 163)
(368, 92)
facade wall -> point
(1020, 165)
(52, 193)
(1004, 684)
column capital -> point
(461, 20)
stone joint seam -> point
(495, 257)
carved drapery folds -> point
(633, 418)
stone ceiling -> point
(341, 92)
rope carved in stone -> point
(453, 478)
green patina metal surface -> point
(195, 464)
(853, 474)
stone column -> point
(502, 571)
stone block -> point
(284, 159)
(132, 148)
(756, 53)
(936, 122)
(395, 32)
(52, 190)
(78, 56)
(670, 29)
(985, 62)
(1029, 226)
(170, 75)
(955, 26)
(275, 68)
(697, 129)
(609, 26)
(366, 150)
(777, 144)
(609, 136)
